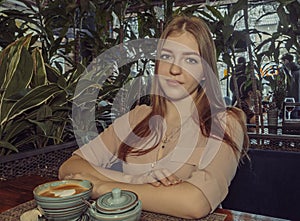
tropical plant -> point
(49, 67)
(33, 110)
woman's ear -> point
(201, 83)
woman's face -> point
(180, 66)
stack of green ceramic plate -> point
(63, 200)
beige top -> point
(207, 163)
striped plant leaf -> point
(17, 74)
(10, 56)
(7, 145)
(34, 98)
(14, 129)
(39, 76)
(41, 125)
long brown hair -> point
(209, 101)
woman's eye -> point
(165, 57)
(191, 61)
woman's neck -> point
(178, 111)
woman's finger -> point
(170, 179)
(173, 179)
(68, 177)
(156, 184)
(165, 177)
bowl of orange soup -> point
(63, 199)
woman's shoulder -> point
(136, 115)
(126, 122)
(235, 112)
(233, 117)
(141, 111)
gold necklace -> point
(166, 139)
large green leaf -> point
(39, 71)
(34, 98)
(21, 77)
(7, 145)
(3, 67)
(215, 12)
(9, 59)
(18, 73)
(14, 130)
(14, 56)
(44, 112)
(42, 125)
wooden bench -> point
(268, 185)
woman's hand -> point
(156, 178)
(82, 176)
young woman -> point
(180, 153)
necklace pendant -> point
(153, 165)
(164, 141)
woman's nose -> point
(175, 69)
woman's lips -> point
(172, 82)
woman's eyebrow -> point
(167, 50)
(191, 53)
(184, 53)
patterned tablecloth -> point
(15, 213)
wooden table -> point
(219, 215)
(19, 190)
(17, 198)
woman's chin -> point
(177, 96)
